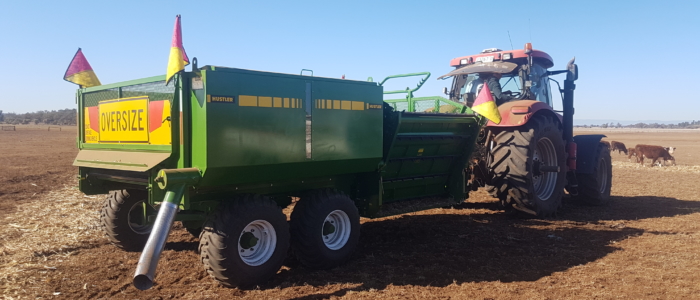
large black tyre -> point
(594, 189)
(245, 241)
(122, 219)
(325, 227)
(519, 161)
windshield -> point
(467, 86)
(470, 85)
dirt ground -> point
(644, 245)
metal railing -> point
(435, 104)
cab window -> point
(540, 84)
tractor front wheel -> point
(529, 167)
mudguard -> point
(518, 113)
(587, 154)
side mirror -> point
(572, 70)
(444, 91)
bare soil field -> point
(33, 161)
(644, 245)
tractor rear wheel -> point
(594, 188)
(529, 167)
(245, 242)
(325, 228)
(124, 219)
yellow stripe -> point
(299, 102)
(358, 105)
(345, 104)
(265, 101)
(208, 98)
(276, 102)
(336, 104)
(244, 100)
(329, 104)
(286, 102)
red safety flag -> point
(178, 58)
(485, 106)
(80, 72)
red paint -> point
(549, 62)
(155, 114)
(94, 115)
(520, 109)
(510, 119)
(572, 148)
(177, 39)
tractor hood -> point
(485, 67)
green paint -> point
(357, 144)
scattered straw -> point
(43, 232)
(676, 168)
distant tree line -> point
(55, 117)
(684, 125)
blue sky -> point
(636, 58)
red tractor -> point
(531, 159)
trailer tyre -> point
(122, 219)
(245, 242)
(520, 161)
(594, 189)
(325, 228)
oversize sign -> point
(124, 120)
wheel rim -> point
(257, 242)
(545, 182)
(137, 219)
(602, 175)
(336, 230)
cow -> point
(607, 144)
(620, 147)
(631, 152)
(670, 149)
(654, 153)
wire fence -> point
(68, 128)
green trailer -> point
(224, 150)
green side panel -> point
(252, 135)
(427, 155)
(199, 127)
(414, 187)
(351, 131)
(272, 127)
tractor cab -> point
(523, 75)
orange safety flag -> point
(178, 58)
(80, 72)
(485, 106)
